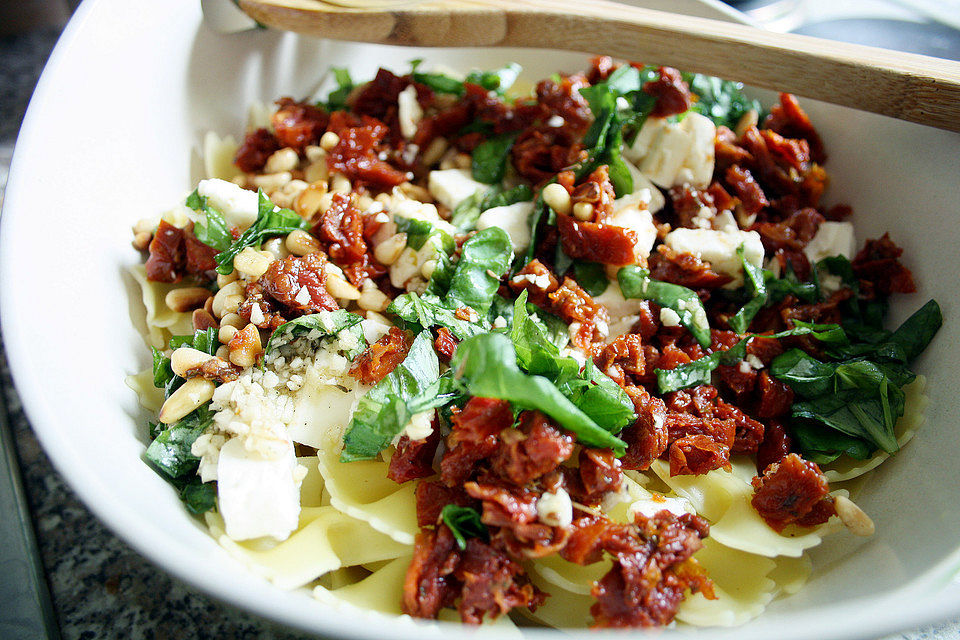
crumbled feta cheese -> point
(719, 248)
(556, 121)
(724, 221)
(256, 314)
(207, 448)
(754, 361)
(374, 327)
(512, 218)
(698, 164)
(555, 509)
(238, 206)
(450, 187)
(653, 505)
(409, 112)
(645, 194)
(420, 426)
(832, 239)
(669, 317)
(404, 207)
(667, 152)
(641, 222)
(745, 367)
(500, 323)
(405, 268)
(257, 496)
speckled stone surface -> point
(100, 587)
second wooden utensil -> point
(906, 86)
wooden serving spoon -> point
(902, 85)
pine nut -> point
(285, 159)
(853, 517)
(228, 299)
(308, 202)
(270, 182)
(462, 161)
(252, 263)
(583, 211)
(186, 358)
(428, 268)
(557, 198)
(203, 320)
(233, 320)
(226, 333)
(364, 202)
(315, 153)
(372, 299)
(301, 243)
(223, 352)
(415, 192)
(434, 151)
(224, 280)
(141, 240)
(145, 225)
(339, 183)
(341, 289)
(390, 249)
(747, 120)
(274, 248)
(317, 172)
(245, 346)
(187, 298)
(192, 394)
(329, 140)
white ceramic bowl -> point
(111, 136)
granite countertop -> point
(100, 587)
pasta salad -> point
(591, 354)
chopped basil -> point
(635, 282)
(327, 323)
(419, 312)
(420, 231)
(271, 221)
(486, 365)
(199, 497)
(211, 229)
(498, 80)
(535, 353)
(464, 523)
(337, 99)
(384, 411)
(484, 259)
(465, 215)
(722, 101)
(592, 276)
(756, 289)
(205, 340)
(170, 451)
(490, 158)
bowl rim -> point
(888, 616)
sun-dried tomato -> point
(775, 446)
(535, 448)
(176, 252)
(600, 69)
(286, 281)
(599, 471)
(684, 269)
(791, 121)
(696, 455)
(382, 357)
(623, 359)
(492, 584)
(538, 154)
(445, 343)
(256, 148)
(671, 91)
(432, 497)
(879, 263)
(647, 438)
(788, 490)
(429, 585)
(598, 242)
(357, 153)
(341, 229)
(298, 124)
(475, 437)
(776, 397)
(747, 190)
(414, 458)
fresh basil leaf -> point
(485, 257)
(419, 312)
(205, 340)
(869, 415)
(337, 99)
(439, 82)
(271, 221)
(535, 353)
(635, 282)
(592, 276)
(326, 323)
(210, 229)
(420, 231)
(722, 101)
(699, 371)
(504, 198)
(756, 289)
(487, 366)
(918, 330)
(170, 451)
(490, 158)
(822, 445)
(199, 497)
(464, 523)
(465, 215)
(498, 80)
(382, 413)
(597, 395)
(162, 371)
(807, 376)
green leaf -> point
(484, 259)
(490, 158)
(756, 289)
(170, 451)
(592, 276)
(498, 80)
(487, 366)
(419, 312)
(199, 497)
(162, 371)
(822, 445)
(535, 353)
(210, 229)
(205, 340)
(420, 231)
(382, 413)
(918, 330)
(720, 100)
(597, 395)
(464, 523)
(439, 82)
(699, 371)
(337, 99)
(271, 221)
(327, 323)
(635, 282)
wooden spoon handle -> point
(906, 86)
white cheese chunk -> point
(698, 164)
(641, 144)
(669, 317)
(832, 239)
(650, 507)
(257, 496)
(416, 210)
(724, 221)
(555, 509)
(512, 218)
(667, 152)
(409, 112)
(239, 206)
(719, 248)
(450, 187)
(641, 222)
(420, 426)
(322, 411)
(374, 327)
(645, 194)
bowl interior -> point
(112, 136)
